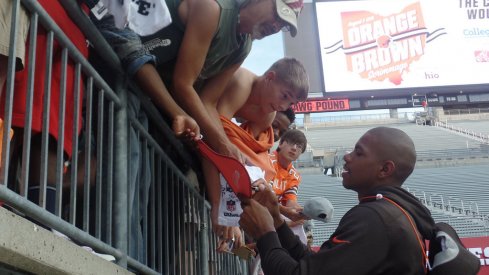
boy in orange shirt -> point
(286, 182)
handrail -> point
(102, 46)
(118, 184)
(467, 132)
(73, 51)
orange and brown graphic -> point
(380, 47)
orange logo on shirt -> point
(335, 240)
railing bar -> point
(74, 164)
(213, 244)
(129, 191)
(121, 174)
(100, 152)
(166, 219)
(152, 142)
(183, 222)
(88, 154)
(137, 194)
(159, 124)
(72, 7)
(45, 120)
(204, 238)
(195, 249)
(144, 202)
(187, 228)
(152, 208)
(159, 215)
(61, 133)
(141, 267)
(179, 211)
(65, 42)
(31, 72)
(74, 154)
(173, 236)
(110, 171)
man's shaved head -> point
(395, 145)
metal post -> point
(204, 242)
(120, 174)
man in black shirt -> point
(383, 234)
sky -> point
(266, 51)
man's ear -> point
(387, 169)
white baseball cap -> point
(318, 208)
(288, 10)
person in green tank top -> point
(205, 45)
(194, 58)
(185, 66)
(217, 38)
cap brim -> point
(288, 15)
(231, 169)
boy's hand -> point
(295, 223)
(230, 150)
(293, 213)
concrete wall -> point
(28, 247)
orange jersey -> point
(255, 149)
(286, 181)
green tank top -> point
(228, 47)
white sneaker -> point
(106, 257)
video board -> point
(385, 45)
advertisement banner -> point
(479, 246)
(315, 106)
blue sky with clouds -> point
(264, 53)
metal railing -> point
(456, 208)
(126, 191)
(456, 112)
(325, 118)
(452, 154)
(478, 136)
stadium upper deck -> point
(454, 191)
